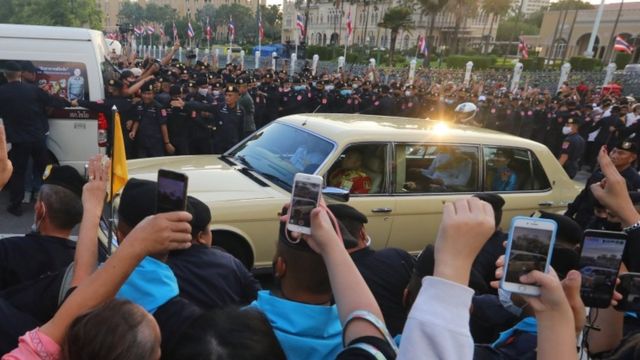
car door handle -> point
(546, 203)
(381, 210)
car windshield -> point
(279, 151)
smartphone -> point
(304, 198)
(600, 260)
(529, 248)
(629, 287)
(172, 191)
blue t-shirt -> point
(307, 332)
(498, 184)
(150, 285)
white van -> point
(70, 63)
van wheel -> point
(234, 245)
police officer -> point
(22, 106)
(247, 106)
(149, 131)
(178, 121)
(270, 89)
(229, 121)
(259, 103)
(572, 148)
(623, 156)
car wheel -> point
(234, 245)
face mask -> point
(203, 92)
(407, 93)
(216, 92)
(329, 87)
(355, 86)
(258, 83)
(299, 87)
(345, 92)
(566, 130)
(507, 304)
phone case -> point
(507, 255)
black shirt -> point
(387, 273)
(28, 257)
(573, 146)
(211, 278)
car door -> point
(530, 189)
(419, 204)
(376, 202)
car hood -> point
(210, 179)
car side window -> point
(512, 169)
(361, 169)
(435, 168)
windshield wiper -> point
(283, 184)
(243, 160)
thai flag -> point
(190, 31)
(421, 44)
(161, 31)
(150, 30)
(231, 29)
(138, 30)
(349, 24)
(522, 48)
(175, 31)
(300, 23)
(208, 29)
(621, 45)
(260, 28)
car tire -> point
(234, 245)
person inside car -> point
(449, 169)
(504, 179)
(350, 176)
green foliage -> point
(76, 13)
(581, 63)
(479, 62)
(133, 13)
(507, 29)
(533, 63)
(243, 19)
(395, 19)
(570, 5)
(326, 53)
(622, 59)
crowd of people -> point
(168, 292)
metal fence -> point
(547, 80)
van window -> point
(512, 169)
(62, 78)
(435, 168)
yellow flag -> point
(119, 162)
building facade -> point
(566, 33)
(110, 8)
(531, 6)
(327, 25)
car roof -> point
(46, 32)
(348, 128)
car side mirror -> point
(335, 193)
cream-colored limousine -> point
(410, 166)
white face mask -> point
(407, 93)
(355, 86)
(566, 130)
(216, 92)
(203, 92)
(507, 304)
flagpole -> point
(114, 111)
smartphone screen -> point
(529, 250)
(599, 264)
(172, 191)
(304, 200)
(629, 288)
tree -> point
(495, 8)
(461, 9)
(243, 21)
(271, 21)
(131, 13)
(508, 27)
(76, 13)
(396, 19)
(431, 8)
(571, 5)
(159, 14)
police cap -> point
(574, 121)
(115, 83)
(64, 176)
(148, 86)
(232, 89)
(12, 66)
(126, 74)
(201, 80)
(627, 145)
(175, 90)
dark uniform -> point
(148, 141)
(573, 146)
(22, 107)
(229, 124)
(581, 209)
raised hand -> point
(6, 167)
(162, 233)
(95, 190)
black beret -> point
(575, 121)
(148, 86)
(138, 200)
(115, 83)
(344, 211)
(241, 81)
(217, 85)
(65, 176)
(568, 229)
(201, 215)
(201, 81)
(232, 89)
(12, 66)
(628, 145)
